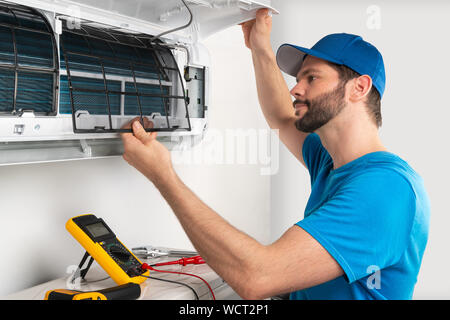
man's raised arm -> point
(273, 93)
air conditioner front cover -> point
(156, 16)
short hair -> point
(373, 101)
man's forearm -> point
(273, 92)
(226, 249)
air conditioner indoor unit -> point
(73, 73)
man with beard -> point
(365, 225)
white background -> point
(38, 199)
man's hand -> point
(257, 31)
(145, 153)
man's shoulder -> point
(389, 164)
(390, 172)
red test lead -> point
(183, 262)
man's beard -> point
(321, 109)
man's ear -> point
(361, 88)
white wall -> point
(413, 38)
(37, 200)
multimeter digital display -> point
(97, 229)
(102, 244)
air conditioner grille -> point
(104, 74)
(28, 62)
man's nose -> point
(299, 90)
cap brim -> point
(290, 58)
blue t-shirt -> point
(372, 216)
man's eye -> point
(311, 78)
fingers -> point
(124, 135)
(257, 31)
(263, 17)
(130, 137)
(147, 123)
(246, 29)
(141, 134)
(262, 14)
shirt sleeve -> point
(315, 155)
(366, 223)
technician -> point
(365, 225)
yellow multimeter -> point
(102, 245)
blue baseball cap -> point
(339, 48)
